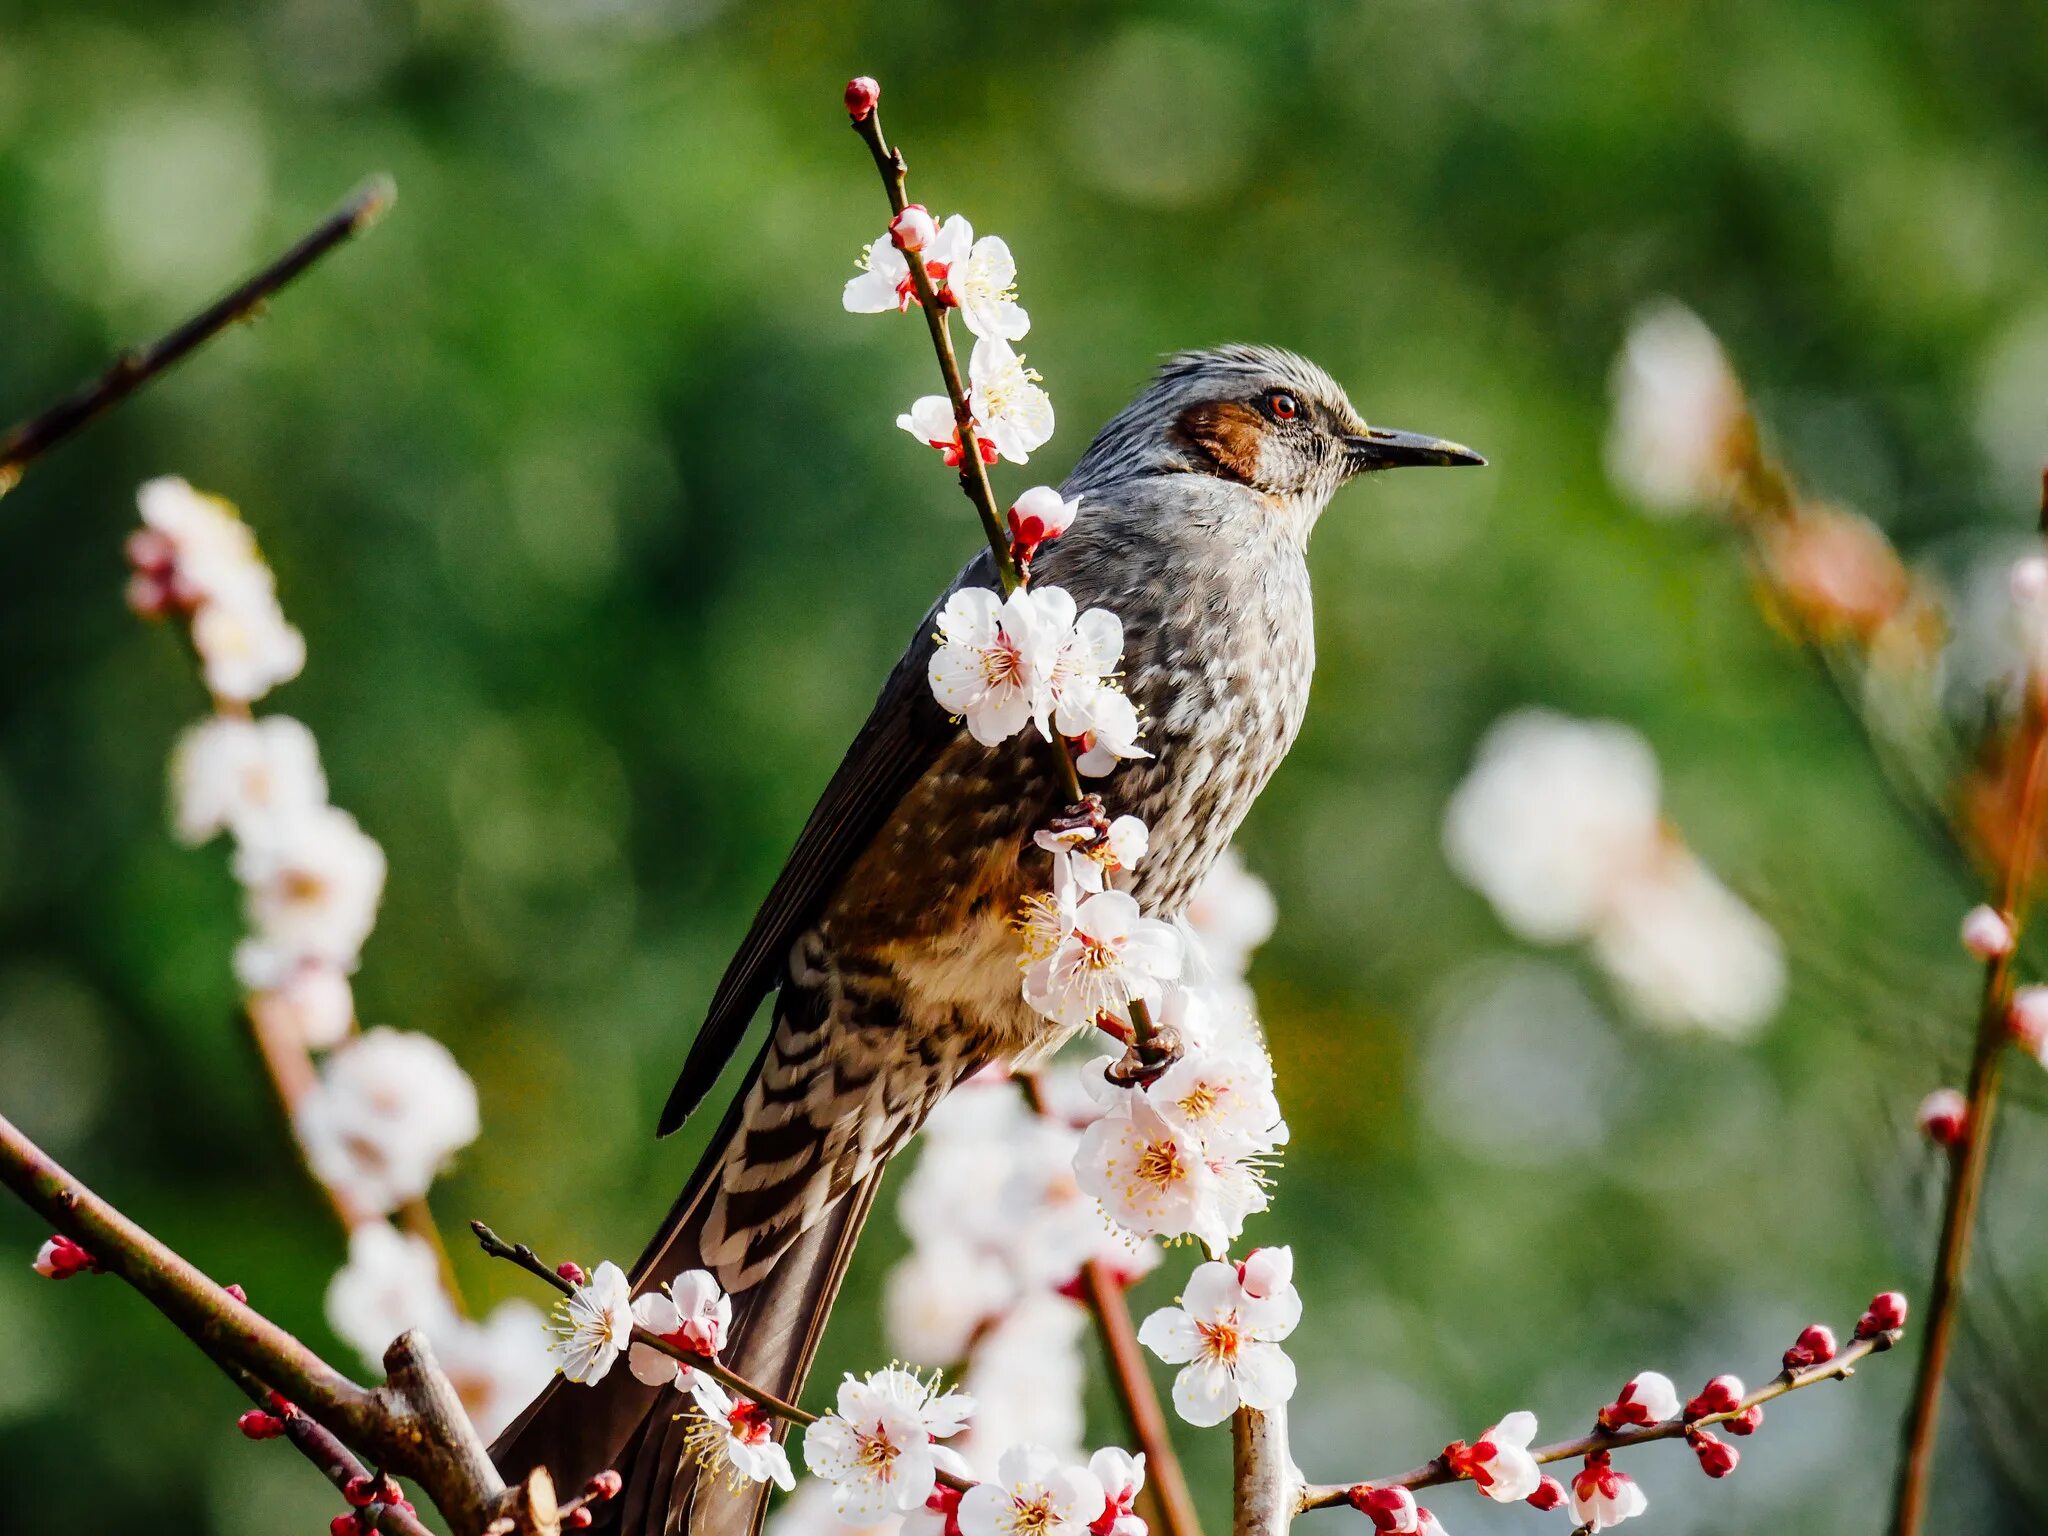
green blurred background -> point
(588, 498)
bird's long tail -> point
(773, 1210)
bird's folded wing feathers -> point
(903, 736)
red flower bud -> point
(1746, 1422)
(1549, 1494)
(60, 1259)
(1717, 1457)
(577, 1519)
(862, 93)
(1814, 1346)
(1721, 1395)
(238, 1293)
(344, 1525)
(571, 1271)
(605, 1485)
(361, 1491)
(1389, 1509)
(258, 1425)
(914, 228)
(1887, 1313)
(1944, 1117)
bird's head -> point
(1258, 417)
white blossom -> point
(246, 645)
(938, 1297)
(1009, 407)
(876, 1449)
(1028, 1376)
(1228, 1343)
(1088, 860)
(995, 662)
(214, 552)
(496, 1364)
(883, 282)
(392, 1282)
(389, 1109)
(1033, 1494)
(1150, 1174)
(980, 277)
(1602, 1496)
(1555, 814)
(1499, 1462)
(244, 776)
(691, 1311)
(309, 1000)
(313, 885)
(1122, 1475)
(1678, 412)
(1111, 956)
(1041, 513)
(1225, 1098)
(595, 1325)
(1233, 912)
(1687, 952)
(736, 1433)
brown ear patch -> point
(1222, 437)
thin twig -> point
(1436, 1472)
(1970, 1161)
(131, 370)
(333, 1460)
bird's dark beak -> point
(1384, 448)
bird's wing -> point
(903, 736)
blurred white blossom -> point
(496, 1364)
(1686, 952)
(312, 886)
(1233, 912)
(246, 776)
(389, 1109)
(1678, 412)
(392, 1282)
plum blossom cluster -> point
(384, 1109)
(1558, 825)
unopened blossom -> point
(1717, 1457)
(1121, 1475)
(1227, 1342)
(210, 554)
(862, 93)
(979, 277)
(1723, 1394)
(1554, 816)
(310, 1000)
(1688, 953)
(1041, 514)
(1814, 1346)
(60, 1258)
(1088, 858)
(1649, 1398)
(930, 419)
(1112, 956)
(313, 885)
(1987, 934)
(1225, 1097)
(1679, 415)
(2030, 1020)
(391, 1283)
(736, 1434)
(692, 1312)
(1602, 1496)
(1747, 1422)
(388, 1111)
(997, 656)
(1549, 1495)
(1266, 1272)
(1391, 1510)
(875, 1447)
(1885, 1314)
(1834, 573)
(1944, 1115)
(594, 1325)
(246, 776)
(1499, 1462)
(914, 228)
(1032, 1494)
(1149, 1173)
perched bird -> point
(887, 939)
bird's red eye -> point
(1284, 406)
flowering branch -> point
(413, 1424)
(1744, 1410)
(275, 1416)
(132, 369)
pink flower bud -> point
(258, 1425)
(344, 1525)
(577, 1519)
(1747, 1422)
(572, 1272)
(1717, 1457)
(2029, 1018)
(862, 93)
(1649, 1398)
(914, 228)
(1945, 1117)
(606, 1484)
(1814, 1346)
(238, 1293)
(1549, 1495)
(1886, 1315)
(361, 1491)
(1265, 1271)
(1721, 1395)
(1987, 935)
(1389, 1509)
(1039, 514)
(60, 1259)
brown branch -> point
(333, 1460)
(1266, 1487)
(131, 370)
(413, 1425)
(1436, 1472)
(1128, 1374)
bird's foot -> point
(1145, 1061)
(1082, 824)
